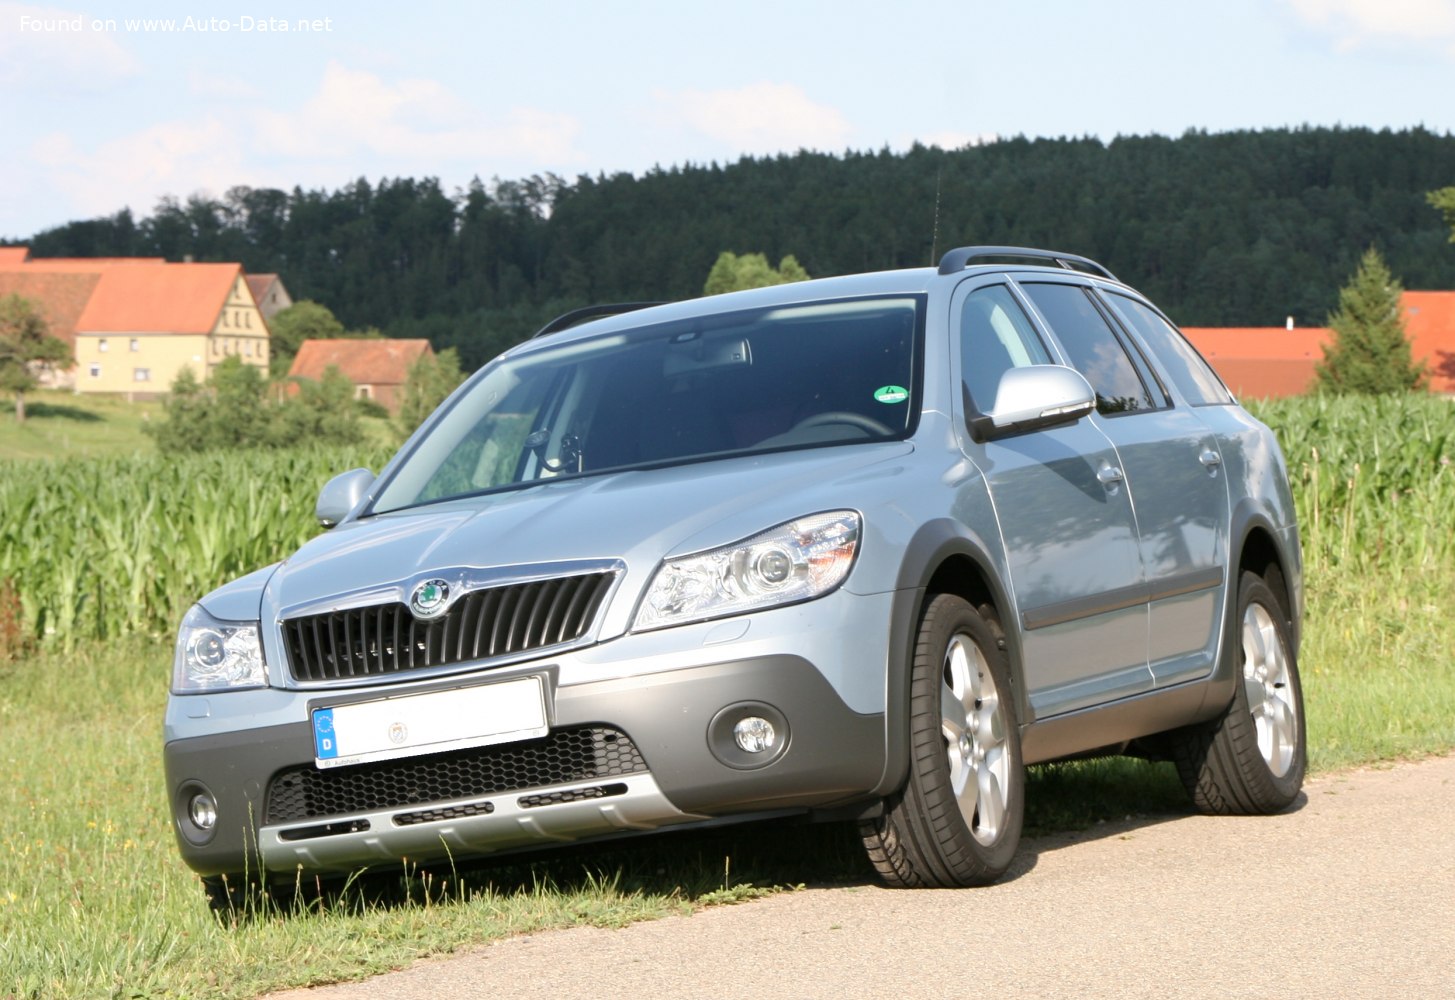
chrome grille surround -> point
(493, 619)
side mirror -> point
(340, 495)
(1033, 398)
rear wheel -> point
(1252, 759)
(958, 820)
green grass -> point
(61, 425)
(95, 902)
(68, 425)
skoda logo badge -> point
(429, 598)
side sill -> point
(1118, 722)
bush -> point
(234, 410)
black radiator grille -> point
(304, 793)
(497, 621)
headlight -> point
(214, 655)
(797, 561)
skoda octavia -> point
(861, 547)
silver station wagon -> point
(859, 548)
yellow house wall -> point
(240, 330)
(114, 368)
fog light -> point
(202, 811)
(755, 734)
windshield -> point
(808, 375)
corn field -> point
(100, 548)
(1373, 479)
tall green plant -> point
(106, 547)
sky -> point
(111, 105)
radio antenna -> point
(935, 232)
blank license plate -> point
(429, 723)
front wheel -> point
(1252, 759)
(958, 820)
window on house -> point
(141, 374)
(95, 370)
(135, 344)
(248, 348)
(101, 345)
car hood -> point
(633, 519)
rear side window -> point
(1188, 371)
(1092, 347)
(995, 336)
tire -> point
(958, 820)
(1251, 760)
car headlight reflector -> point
(215, 655)
(793, 562)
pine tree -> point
(1370, 352)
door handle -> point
(1109, 474)
(1210, 458)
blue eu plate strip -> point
(325, 741)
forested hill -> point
(1239, 228)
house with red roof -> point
(1279, 360)
(135, 322)
(1256, 362)
(269, 293)
(378, 368)
(1429, 322)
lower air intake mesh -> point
(304, 793)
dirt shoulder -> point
(1351, 894)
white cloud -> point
(222, 87)
(412, 127)
(414, 121)
(759, 118)
(1356, 23)
(169, 158)
(50, 49)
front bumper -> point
(686, 769)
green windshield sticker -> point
(891, 394)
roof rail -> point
(576, 316)
(956, 260)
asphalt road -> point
(1351, 894)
